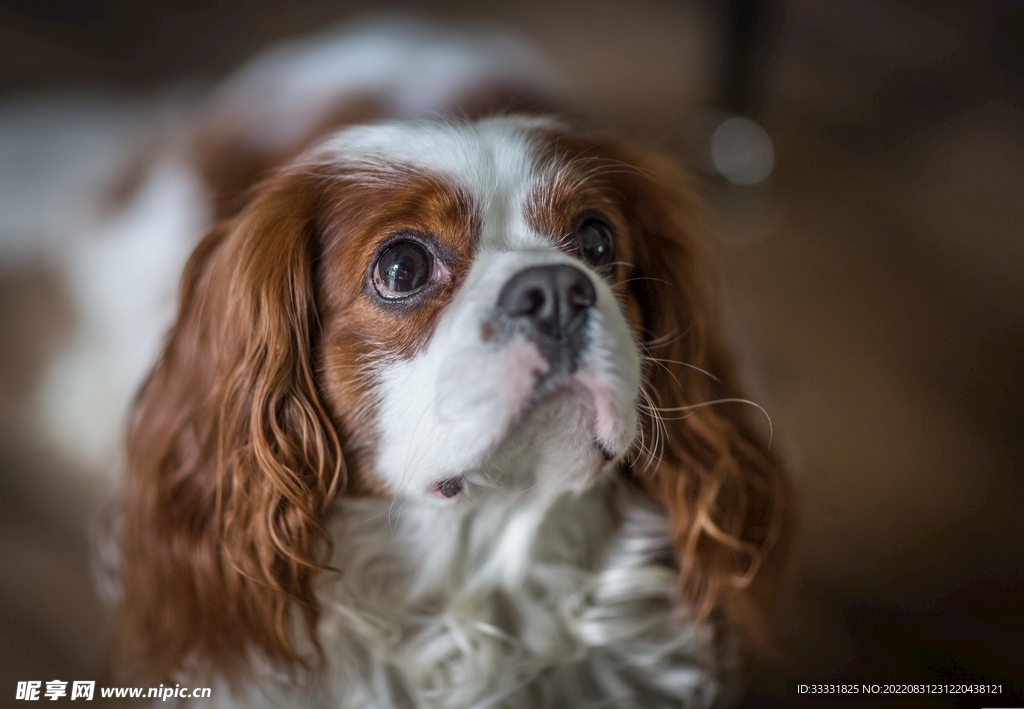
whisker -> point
(669, 337)
(659, 431)
(667, 371)
(393, 524)
(660, 434)
(691, 407)
(663, 362)
(522, 492)
(638, 278)
(641, 447)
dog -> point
(444, 417)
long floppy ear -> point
(728, 498)
(231, 457)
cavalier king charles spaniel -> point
(446, 418)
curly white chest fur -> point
(533, 600)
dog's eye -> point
(402, 270)
(597, 243)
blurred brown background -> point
(873, 284)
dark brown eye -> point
(402, 269)
(597, 243)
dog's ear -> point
(231, 457)
(728, 498)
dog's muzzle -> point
(551, 306)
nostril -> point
(530, 302)
(582, 295)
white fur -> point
(123, 276)
(59, 161)
(541, 599)
(412, 68)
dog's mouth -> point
(449, 487)
(580, 395)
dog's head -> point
(439, 312)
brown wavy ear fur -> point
(231, 456)
(728, 498)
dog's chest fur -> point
(534, 600)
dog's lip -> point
(569, 386)
(449, 487)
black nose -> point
(551, 300)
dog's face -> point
(474, 308)
(438, 312)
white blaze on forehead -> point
(493, 161)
